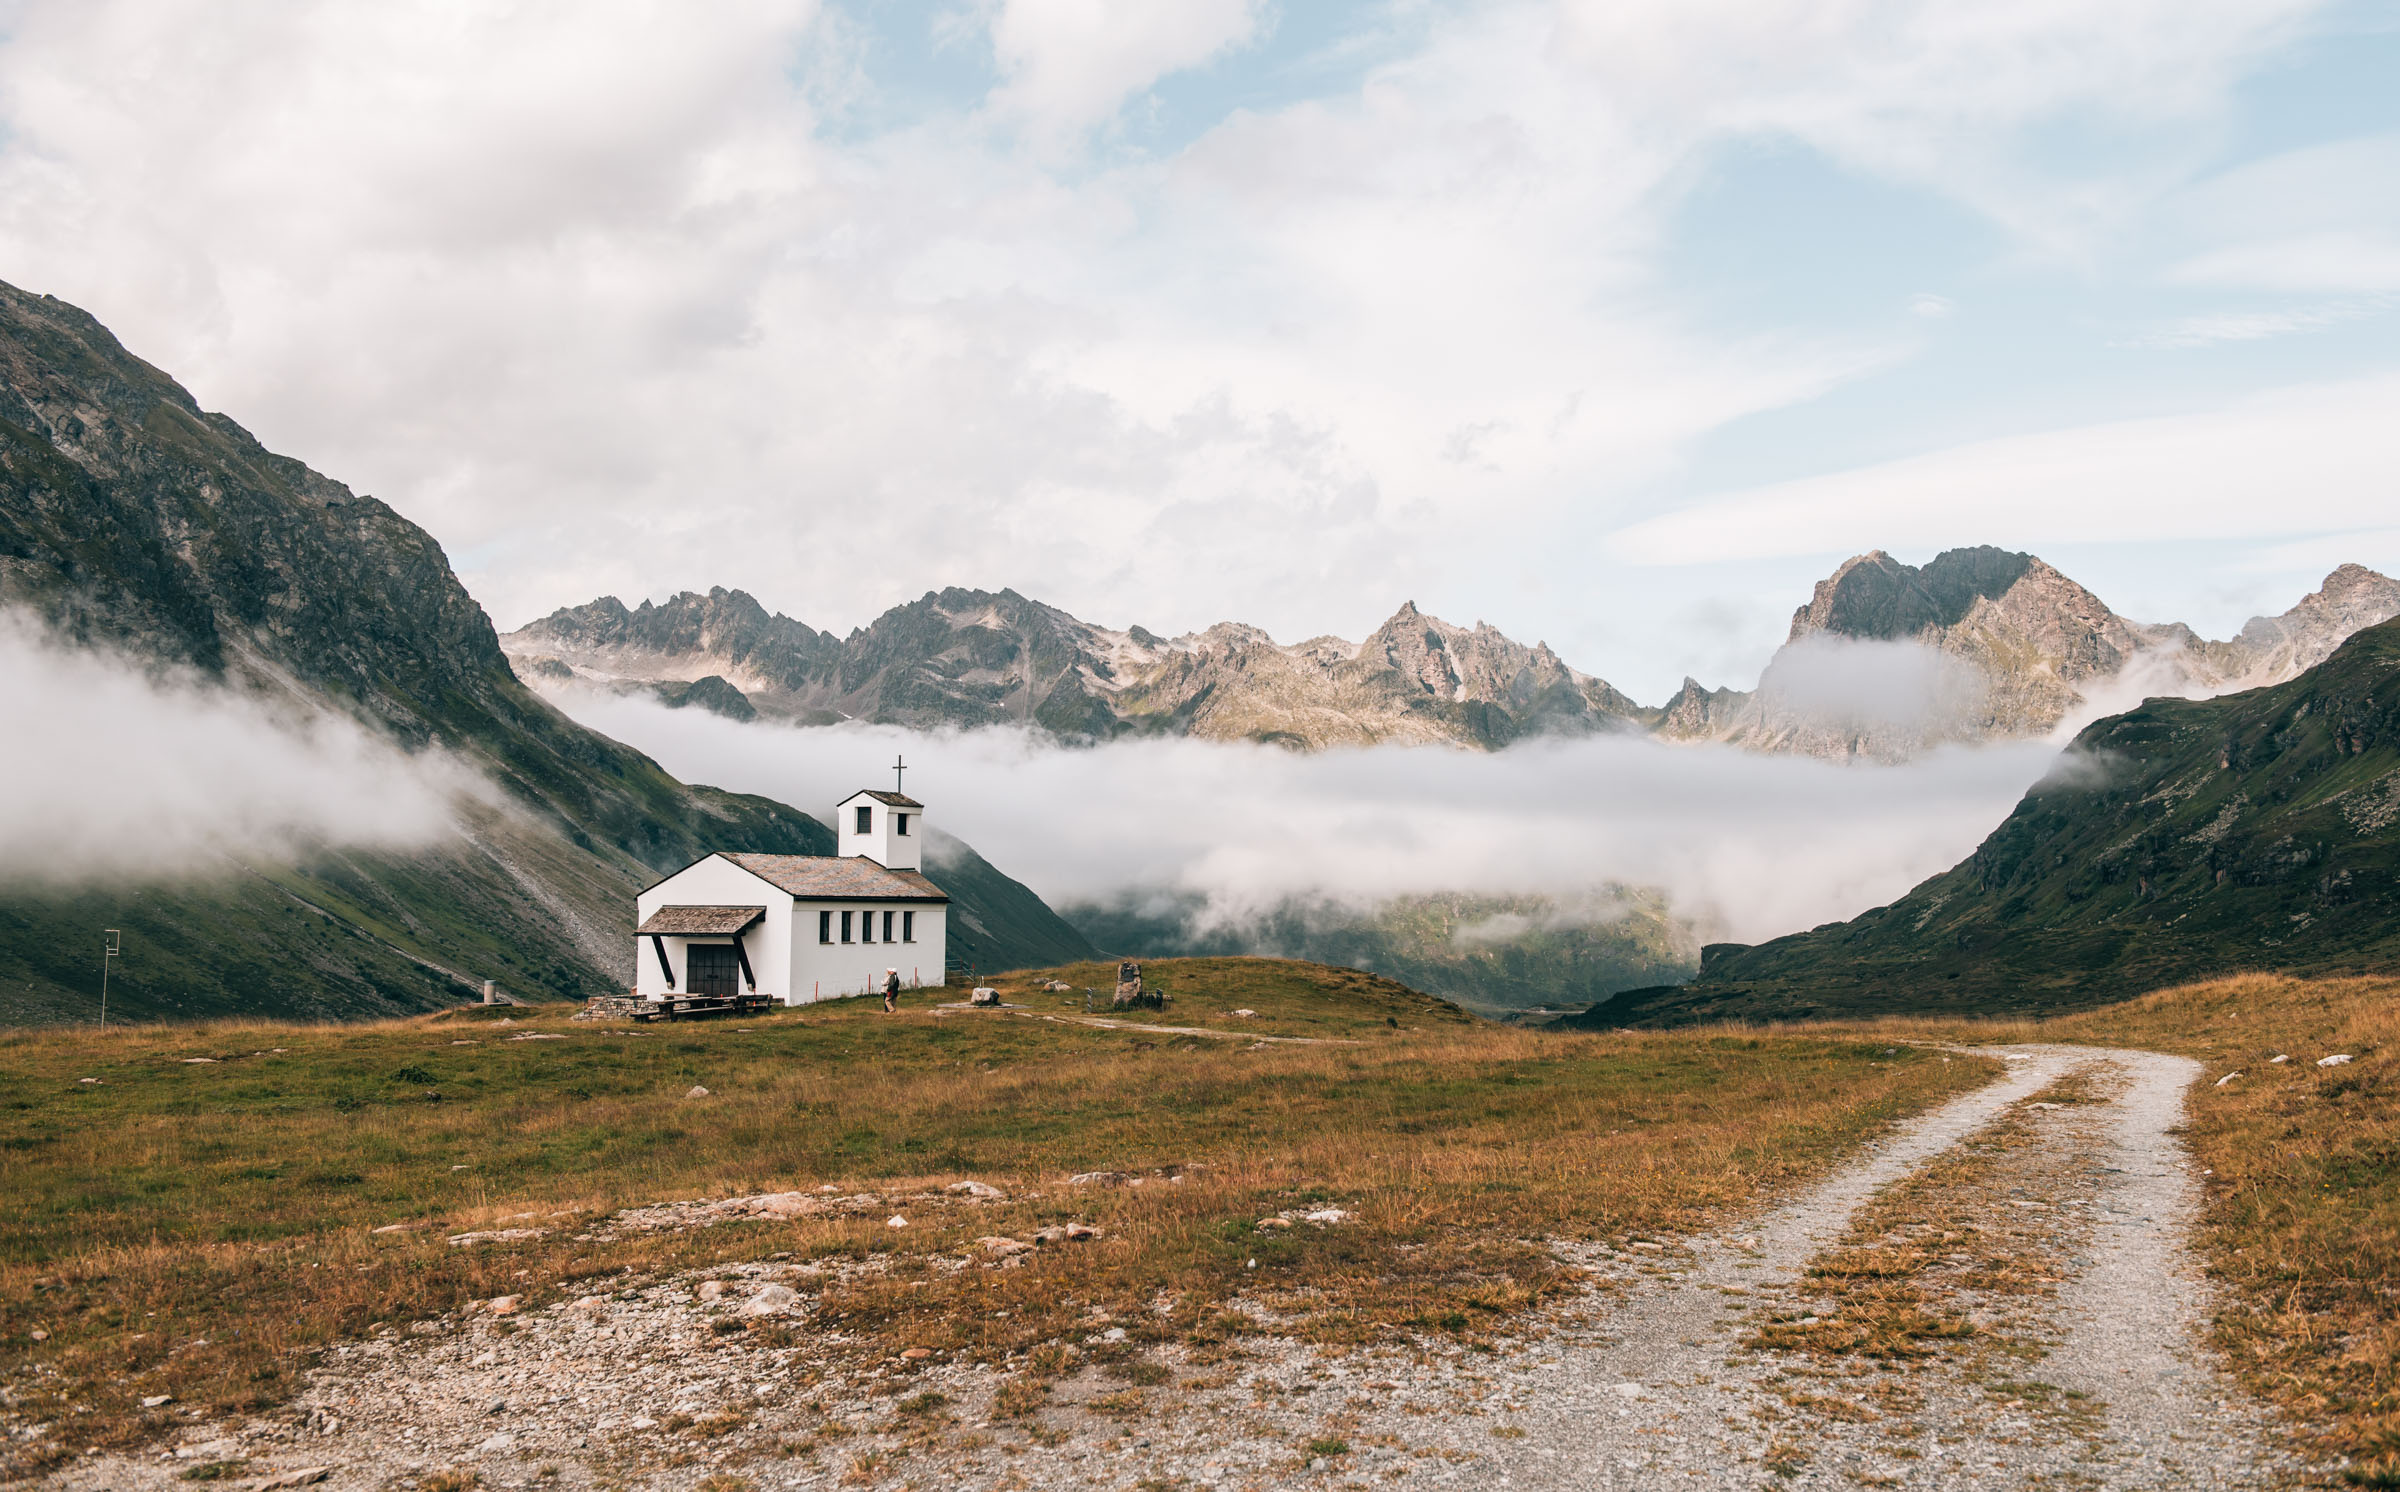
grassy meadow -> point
(200, 1229)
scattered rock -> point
(2280, 1057)
(305, 1476)
(1099, 1178)
(1001, 1248)
(39, 1335)
(1244, 1014)
(1627, 1390)
(94, 1081)
(2335, 1060)
(497, 1443)
(771, 1300)
(916, 1354)
(1067, 1233)
(895, 1221)
(1326, 1216)
(495, 1235)
(397, 1228)
(1273, 1224)
(2229, 1077)
(196, 1061)
(158, 1401)
(589, 1305)
(712, 1289)
(975, 1189)
(697, 1092)
(504, 1305)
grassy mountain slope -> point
(132, 520)
(2184, 839)
(1493, 954)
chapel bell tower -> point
(887, 828)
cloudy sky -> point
(1612, 322)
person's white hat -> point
(891, 971)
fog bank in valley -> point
(113, 771)
(1746, 846)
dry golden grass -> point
(201, 1230)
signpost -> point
(108, 950)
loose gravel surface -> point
(2052, 1233)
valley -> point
(165, 538)
(1770, 1257)
(1034, 746)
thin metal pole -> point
(108, 950)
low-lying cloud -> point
(114, 772)
(1872, 684)
(1746, 846)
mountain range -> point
(1885, 660)
(134, 522)
(2178, 840)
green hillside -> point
(1495, 954)
(130, 519)
(2184, 839)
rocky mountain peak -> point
(1875, 596)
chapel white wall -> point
(830, 971)
(718, 882)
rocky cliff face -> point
(131, 518)
(971, 658)
(1884, 661)
(1888, 659)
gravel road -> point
(2051, 1208)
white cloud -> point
(1747, 846)
(1855, 685)
(2316, 458)
(130, 776)
(2255, 326)
(2314, 221)
(589, 290)
(1070, 64)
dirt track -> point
(2058, 1225)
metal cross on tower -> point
(899, 765)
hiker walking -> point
(891, 990)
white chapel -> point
(797, 928)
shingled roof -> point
(853, 877)
(891, 800)
(698, 922)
